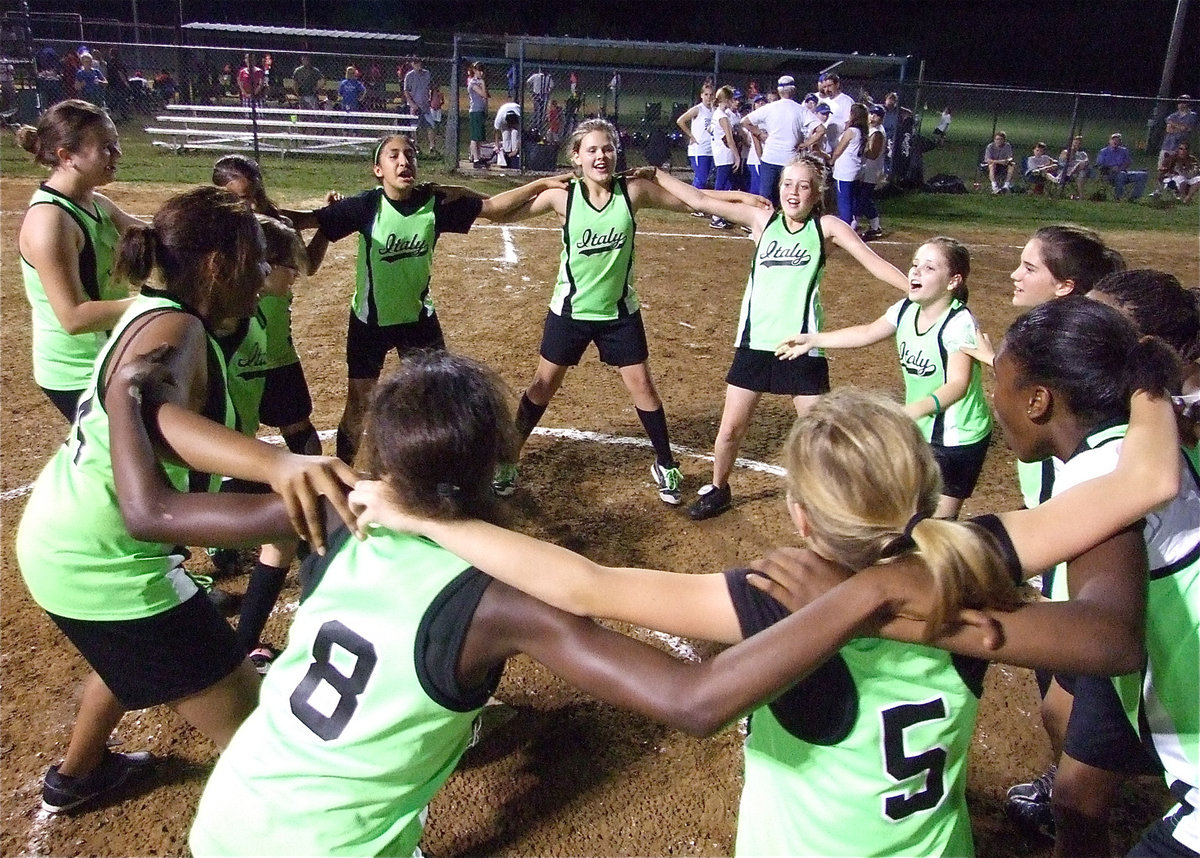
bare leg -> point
(640, 385)
(358, 394)
(99, 712)
(1082, 798)
(735, 420)
(219, 710)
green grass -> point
(302, 177)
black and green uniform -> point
(595, 271)
(361, 718)
(395, 247)
(77, 557)
(246, 353)
(63, 361)
(783, 292)
(866, 756)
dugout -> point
(641, 87)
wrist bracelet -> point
(937, 404)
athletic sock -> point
(529, 414)
(304, 442)
(655, 424)
(346, 447)
(266, 582)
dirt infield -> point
(565, 775)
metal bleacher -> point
(281, 130)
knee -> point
(1082, 796)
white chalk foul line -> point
(567, 434)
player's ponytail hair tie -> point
(904, 542)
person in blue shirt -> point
(1115, 164)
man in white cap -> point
(779, 125)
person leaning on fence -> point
(1039, 167)
(999, 160)
(1180, 126)
(477, 100)
(308, 81)
(418, 85)
(251, 81)
(1113, 162)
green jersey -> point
(275, 316)
(245, 354)
(76, 555)
(595, 271)
(783, 292)
(925, 346)
(360, 720)
(896, 763)
(63, 361)
(395, 264)
(1169, 689)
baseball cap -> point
(833, 76)
(812, 96)
(760, 98)
(786, 80)
(877, 109)
(737, 93)
(1116, 135)
(823, 108)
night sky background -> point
(1113, 46)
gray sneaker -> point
(62, 793)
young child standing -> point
(783, 295)
(943, 385)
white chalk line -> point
(567, 434)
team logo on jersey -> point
(395, 249)
(915, 363)
(256, 357)
(777, 254)
(591, 243)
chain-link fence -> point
(170, 83)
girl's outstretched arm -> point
(983, 352)
(853, 337)
(513, 205)
(847, 239)
(698, 698)
(667, 192)
(696, 606)
(120, 218)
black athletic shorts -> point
(285, 398)
(1098, 731)
(367, 346)
(762, 372)
(620, 342)
(155, 660)
(65, 401)
(960, 466)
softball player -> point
(399, 643)
(594, 298)
(782, 296)
(943, 386)
(398, 224)
(67, 242)
(112, 581)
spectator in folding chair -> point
(1113, 163)
(1039, 167)
(1180, 172)
(1074, 166)
(999, 162)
